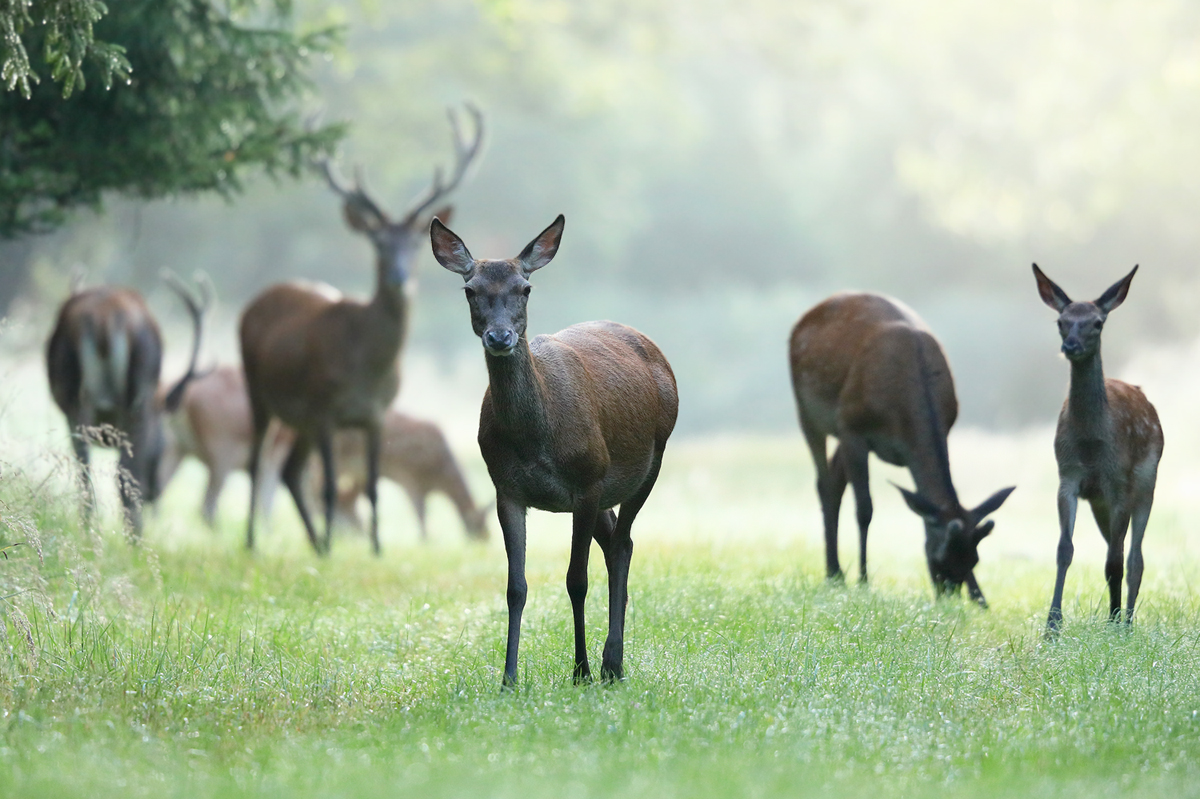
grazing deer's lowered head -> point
(867, 371)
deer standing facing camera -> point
(575, 422)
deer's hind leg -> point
(853, 453)
(617, 555)
(831, 486)
(1141, 516)
(293, 478)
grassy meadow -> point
(188, 667)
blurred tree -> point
(205, 91)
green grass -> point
(187, 667)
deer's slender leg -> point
(854, 453)
(831, 484)
(974, 591)
(1068, 502)
(512, 526)
(1141, 515)
(260, 419)
(88, 499)
(293, 478)
(329, 483)
(584, 524)
(217, 473)
(617, 557)
(1114, 566)
(372, 488)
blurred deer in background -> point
(1107, 445)
(867, 371)
(103, 361)
(213, 424)
(572, 423)
(320, 364)
(414, 455)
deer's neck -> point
(518, 394)
(388, 310)
(929, 454)
(1087, 399)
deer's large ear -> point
(1051, 294)
(362, 215)
(541, 250)
(444, 214)
(991, 504)
(449, 249)
(1116, 293)
(920, 505)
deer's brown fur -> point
(575, 422)
(866, 370)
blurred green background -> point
(724, 165)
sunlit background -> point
(722, 166)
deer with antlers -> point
(320, 364)
(103, 361)
(866, 370)
(1108, 445)
(572, 423)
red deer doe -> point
(413, 454)
(575, 422)
(866, 370)
(1107, 445)
(213, 424)
(103, 361)
(320, 364)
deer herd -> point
(575, 422)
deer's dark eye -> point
(470, 292)
(526, 290)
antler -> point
(197, 303)
(357, 201)
(464, 154)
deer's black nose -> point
(1072, 347)
(498, 341)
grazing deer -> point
(103, 361)
(1107, 445)
(572, 423)
(213, 425)
(414, 454)
(866, 370)
(320, 364)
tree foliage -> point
(210, 91)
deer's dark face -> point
(952, 536)
(498, 295)
(1080, 325)
(497, 291)
(952, 550)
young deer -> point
(572, 423)
(866, 370)
(213, 425)
(1107, 445)
(320, 364)
(413, 454)
(103, 361)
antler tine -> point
(332, 179)
(464, 155)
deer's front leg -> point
(582, 528)
(974, 591)
(1068, 501)
(512, 525)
